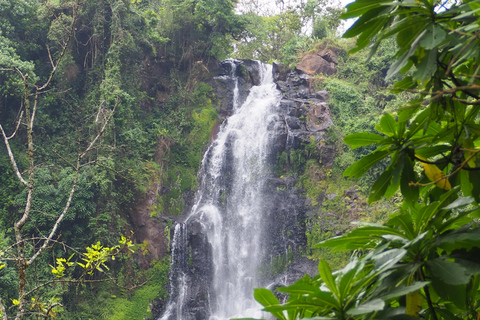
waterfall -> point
(229, 211)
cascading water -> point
(229, 210)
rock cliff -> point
(304, 117)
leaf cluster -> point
(422, 261)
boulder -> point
(253, 72)
(280, 72)
(319, 117)
(322, 95)
(322, 62)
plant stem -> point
(427, 295)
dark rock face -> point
(223, 85)
(300, 103)
(306, 114)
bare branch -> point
(64, 49)
(101, 131)
(34, 111)
(47, 313)
(66, 281)
(18, 126)
(50, 57)
(450, 65)
(12, 158)
(68, 162)
(7, 251)
(21, 74)
(59, 219)
(19, 224)
(72, 190)
(99, 111)
(468, 102)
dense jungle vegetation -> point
(104, 102)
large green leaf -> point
(429, 152)
(361, 139)
(359, 238)
(475, 181)
(365, 38)
(380, 186)
(404, 58)
(426, 66)
(403, 290)
(364, 23)
(434, 37)
(300, 289)
(466, 185)
(462, 240)
(357, 169)
(388, 259)
(347, 277)
(405, 223)
(360, 7)
(448, 272)
(266, 298)
(326, 275)
(458, 203)
(369, 307)
(454, 293)
(427, 214)
(322, 300)
(387, 125)
(420, 122)
(409, 192)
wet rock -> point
(251, 67)
(293, 122)
(280, 72)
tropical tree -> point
(36, 227)
(423, 260)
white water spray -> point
(230, 205)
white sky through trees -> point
(271, 7)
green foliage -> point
(136, 305)
(9, 59)
(266, 36)
(197, 30)
(420, 261)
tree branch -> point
(66, 281)
(50, 309)
(101, 131)
(64, 49)
(18, 126)
(467, 102)
(59, 220)
(12, 158)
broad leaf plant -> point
(424, 261)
